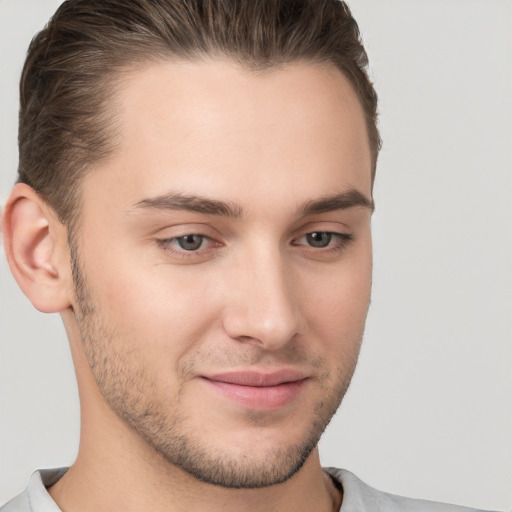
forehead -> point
(195, 125)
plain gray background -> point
(429, 413)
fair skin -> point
(225, 251)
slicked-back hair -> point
(67, 90)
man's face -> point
(225, 255)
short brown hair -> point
(67, 81)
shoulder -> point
(35, 497)
(360, 497)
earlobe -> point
(34, 241)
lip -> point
(258, 390)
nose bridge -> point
(264, 307)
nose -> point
(262, 306)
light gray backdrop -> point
(429, 413)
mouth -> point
(258, 390)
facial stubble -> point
(129, 388)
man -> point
(194, 199)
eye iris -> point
(319, 239)
(190, 242)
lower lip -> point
(256, 397)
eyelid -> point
(185, 228)
(322, 225)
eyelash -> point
(340, 241)
(168, 244)
(337, 243)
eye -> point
(319, 238)
(190, 242)
(324, 241)
(186, 244)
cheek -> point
(167, 309)
(338, 302)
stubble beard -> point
(129, 389)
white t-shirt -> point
(357, 496)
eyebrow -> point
(191, 203)
(351, 198)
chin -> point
(243, 470)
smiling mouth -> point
(258, 390)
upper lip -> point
(257, 378)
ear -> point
(37, 251)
